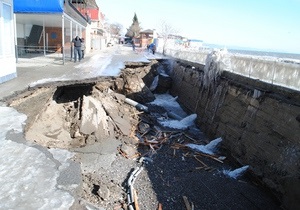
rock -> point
(143, 127)
(49, 128)
(164, 84)
(135, 88)
(129, 150)
(104, 193)
(93, 115)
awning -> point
(38, 6)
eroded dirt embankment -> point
(108, 136)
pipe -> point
(137, 105)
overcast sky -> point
(262, 24)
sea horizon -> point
(255, 52)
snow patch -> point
(235, 173)
(27, 176)
(210, 148)
(180, 124)
(169, 103)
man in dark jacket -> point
(152, 47)
(77, 48)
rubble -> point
(114, 123)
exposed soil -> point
(172, 176)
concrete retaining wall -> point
(259, 123)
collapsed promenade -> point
(101, 163)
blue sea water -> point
(248, 51)
(265, 53)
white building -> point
(8, 69)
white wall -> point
(7, 41)
(88, 38)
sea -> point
(254, 52)
(267, 54)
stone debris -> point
(108, 136)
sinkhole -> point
(105, 125)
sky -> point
(269, 25)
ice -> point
(180, 124)
(10, 120)
(169, 103)
(154, 83)
(27, 176)
(47, 80)
(256, 94)
(62, 156)
(215, 63)
(210, 148)
(236, 173)
(98, 65)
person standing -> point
(152, 48)
(133, 45)
(77, 48)
(82, 48)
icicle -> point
(215, 63)
(256, 94)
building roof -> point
(148, 31)
(91, 4)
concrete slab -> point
(35, 71)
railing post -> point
(63, 37)
(273, 74)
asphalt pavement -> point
(40, 69)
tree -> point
(115, 29)
(165, 30)
(134, 29)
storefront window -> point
(1, 31)
(8, 35)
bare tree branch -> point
(115, 29)
(165, 31)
